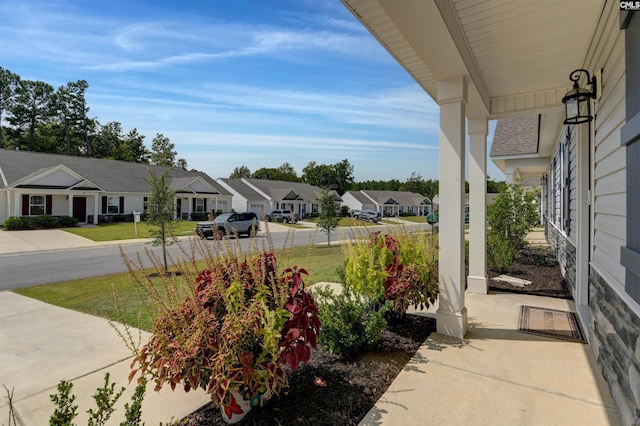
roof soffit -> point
(517, 53)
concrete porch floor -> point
(497, 375)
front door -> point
(80, 208)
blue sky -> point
(234, 82)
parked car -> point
(355, 213)
(229, 224)
(369, 216)
(283, 216)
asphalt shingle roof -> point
(278, 188)
(243, 189)
(515, 136)
(109, 175)
(404, 198)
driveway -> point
(40, 240)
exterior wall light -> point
(544, 179)
(577, 101)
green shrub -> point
(510, 218)
(45, 221)
(199, 216)
(16, 223)
(500, 254)
(349, 325)
(65, 410)
(67, 221)
(122, 218)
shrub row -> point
(38, 222)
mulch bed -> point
(538, 265)
(353, 385)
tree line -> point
(36, 117)
(339, 177)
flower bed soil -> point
(538, 265)
(334, 390)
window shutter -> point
(104, 204)
(25, 205)
(193, 204)
(121, 210)
(49, 204)
(205, 205)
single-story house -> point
(245, 198)
(575, 67)
(264, 196)
(89, 189)
(387, 203)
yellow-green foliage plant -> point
(399, 268)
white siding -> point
(609, 186)
(60, 205)
(132, 203)
(57, 178)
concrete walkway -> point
(498, 376)
(41, 344)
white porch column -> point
(477, 279)
(70, 199)
(451, 317)
(17, 204)
(509, 175)
(95, 209)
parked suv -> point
(229, 224)
(369, 216)
(283, 216)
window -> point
(36, 205)
(113, 205)
(199, 205)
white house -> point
(387, 203)
(263, 196)
(483, 60)
(89, 189)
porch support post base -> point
(452, 324)
(478, 285)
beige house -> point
(483, 60)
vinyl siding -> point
(609, 186)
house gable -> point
(59, 177)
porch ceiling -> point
(517, 53)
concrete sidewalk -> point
(498, 376)
(40, 344)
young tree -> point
(510, 217)
(328, 218)
(160, 212)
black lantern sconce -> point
(544, 180)
(577, 101)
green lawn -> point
(126, 230)
(345, 222)
(96, 295)
(415, 219)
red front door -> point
(80, 208)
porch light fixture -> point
(577, 101)
(544, 180)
